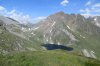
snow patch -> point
(47, 40)
(36, 28)
(72, 37)
(86, 53)
(19, 45)
(29, 29)
(50, 37)
(97, 24)
(95, 19)
(51, 42)
(59, 43)
(44, 48)
(22, 28)
(68, 27)
(33, 33)
(53, 23)
(82, 36)
(50, 30)
(92, 54)
(89, 53)
(44, 36)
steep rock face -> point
(58, 28)
(13, 36)
(55, 31)
(69, 30)
(73, 30)
(14, 27)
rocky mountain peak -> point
(60, 13)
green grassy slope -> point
(10, 42)
(46, 58)
(91, 43)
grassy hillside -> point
(10, 42)
(91, 43)
(46, 58)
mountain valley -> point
(58, 36)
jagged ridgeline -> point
(72, 33)
(71, 30)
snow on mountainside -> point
(73, 31)
(97, 21)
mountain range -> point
(72, 33)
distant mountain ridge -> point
(71, 30)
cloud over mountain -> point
(19, 16)
(91, 9)
(64, 2)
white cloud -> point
(2, 8)
(96, 5)
(37, 19)
(19, 16)
(64, 2)
(12, 11)
(86, 10)
(40, 18)
(88, 3)
(91, 9)
(15, 15)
